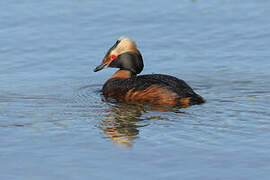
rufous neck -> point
(122, 74)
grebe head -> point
(124, 55)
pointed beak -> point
(100, 67)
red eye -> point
(113, 57)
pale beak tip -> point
(100, 67)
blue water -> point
(54, 123)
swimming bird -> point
(151, 89)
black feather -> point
(173, 84)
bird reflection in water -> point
(123, 121)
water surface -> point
(54, 123)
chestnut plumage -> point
(152, 89)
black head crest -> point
(128, 61)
